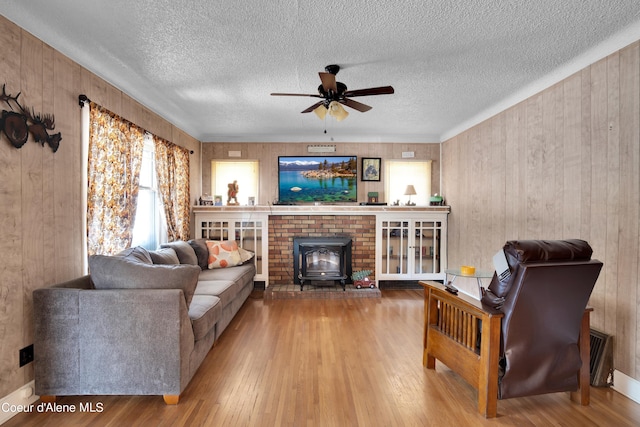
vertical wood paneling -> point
(513, 119)
(627, 295)
(497, 175)
(586, 154)
(66, 209)
(571, 169)
(11, 223)
(48, 185)
(40, 191)
(480, 182)
(450, 186)
(534, 164)
(552, 157)
(598, 205)
(612, 194)
(32, 156)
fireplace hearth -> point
(321, 261)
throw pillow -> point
(185, 252)
(137, 253)
(165, 256)
(117, 272)
(223, 254)
(202, 252)
(245, 255)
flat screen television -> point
(325, 179)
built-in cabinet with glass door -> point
(249, 230)
(411, 243)
(411, 247)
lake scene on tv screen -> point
(327, 179)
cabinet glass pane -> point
(395, 247)
(249, 237)
(215, 230)
(426, 247)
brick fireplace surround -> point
(283, 228)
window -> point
(149, 223)
(400, 174)
(245, 172)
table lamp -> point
(410, 191)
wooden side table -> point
(478, 275)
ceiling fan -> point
(334, 93)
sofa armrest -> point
(56, 340)
(124, 341)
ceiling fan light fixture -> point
(337, 111)
(334, 95)
(321, 112)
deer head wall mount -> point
(18, 122)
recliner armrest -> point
(454, 325)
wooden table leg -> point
(584, 377)
(488, 375)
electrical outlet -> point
(26, 355)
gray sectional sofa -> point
(140, 324)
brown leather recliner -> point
(530, 332)
(543, 302)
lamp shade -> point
(410, 191)
(321, 111)
(336, 110)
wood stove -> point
(321, 260)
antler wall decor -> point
(17, 125)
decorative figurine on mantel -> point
(233, 194)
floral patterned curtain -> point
(172, 168)
(115, 156)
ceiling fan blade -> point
(297, 94)
(382, 90)
(328, 82)
(313, 107)
(355, 105)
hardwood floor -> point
(351, 362)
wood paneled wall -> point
(564, 163)
(40, 191)
(268, 153)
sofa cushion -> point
(204, 312)
(118, 272)
(223, 254)
(202, 252)
(185, 252)
(164, 256)
(242, 273)
(137, 253)
(226, 290)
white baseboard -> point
(17, 402)
(626, 385)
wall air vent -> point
(601, 359)
(321, 148)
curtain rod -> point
(82, 99)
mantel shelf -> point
(320, 209)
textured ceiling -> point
(208, 66)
